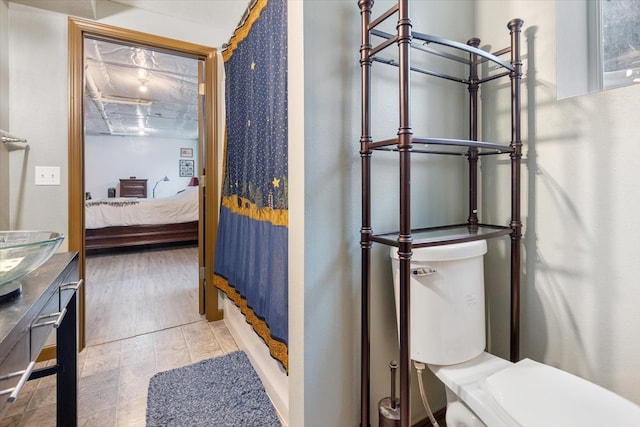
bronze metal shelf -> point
(445, 235)
(445, 146)
(459, 52)
(399, 49)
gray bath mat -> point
(219, 392)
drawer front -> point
(14, 371)
(133, 188)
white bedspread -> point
(179, 208)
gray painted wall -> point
(4, 113)
(38, 101)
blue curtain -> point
(251, 250)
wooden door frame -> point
(78, 29)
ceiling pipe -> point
(99, 100)
(108, 67)
(94, 94)
(125, 101)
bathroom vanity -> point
(47, 302)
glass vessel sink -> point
(21, 252)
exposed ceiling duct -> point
(136, 91)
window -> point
(620, 42)
(598, 45)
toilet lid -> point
(535, 394)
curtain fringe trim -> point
(277, 349)
(241, 206)
(243, 29)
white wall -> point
(4, 113)
(332, 215)
(38, 112)
(581, 293)
(120, 15)
(110, 158)
(296, 237)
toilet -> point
(448, 334)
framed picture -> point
(186, 152)
(186, 168)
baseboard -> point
(273, 376)
(47, 353)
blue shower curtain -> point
(251, 250)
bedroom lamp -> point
(158, 182)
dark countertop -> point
(17, 313)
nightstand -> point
(133, 187)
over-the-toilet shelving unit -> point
(406, 144)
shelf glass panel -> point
(444, 146)
(446, 51)
(437, 236)
(463, 48)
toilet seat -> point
(466, 381)
(532, 392)
(528, 393)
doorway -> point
(207, 150)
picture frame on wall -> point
(186, 152)
(186, 168)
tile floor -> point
(114, 377)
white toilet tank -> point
(447, 302)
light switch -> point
(47, 175)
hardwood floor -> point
(140, 291)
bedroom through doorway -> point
(141, 197)
(140, 137)
(141, 134)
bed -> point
(121, 222)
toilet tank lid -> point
(535, 394)
(450, 252)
